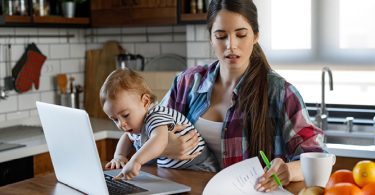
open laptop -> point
(76, 161)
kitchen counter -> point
(35, 142)
(105, 129)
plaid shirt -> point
(191, 94)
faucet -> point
(322, 114)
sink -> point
(363, 135)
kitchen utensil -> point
(71, 80)
(132, 61)
(9, 79)
(99, 63)
(62, 81)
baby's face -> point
(127, 111)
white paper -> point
(239, 178)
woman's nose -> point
(231, 42)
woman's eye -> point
(242, 35)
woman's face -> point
(232, 39)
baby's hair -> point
(124, 79)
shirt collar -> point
(209, 78)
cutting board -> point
(99, 64)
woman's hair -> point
(123, 79)
(253, 95)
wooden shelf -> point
(193, 17)
(60, 20)
(16, 19)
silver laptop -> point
(76, 161)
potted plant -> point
(69, 7)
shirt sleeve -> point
(155, 120)
(300, 133)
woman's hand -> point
(117, 162)
(179, 147)
(266, 182)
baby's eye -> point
(125, 115)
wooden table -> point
(48, 184)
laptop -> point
(75, 158)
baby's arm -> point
(150, 150)
(123, 148)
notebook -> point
(75, 158)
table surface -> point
(48, 184)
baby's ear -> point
(146, 99)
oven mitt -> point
(28, 68)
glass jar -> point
(15, 7)
(41, 7)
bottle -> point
(200, 6)
(193, 7)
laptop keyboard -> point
(121, 187)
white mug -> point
(317, 167)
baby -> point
(129, 102)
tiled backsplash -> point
(68, 56)
(190, 41)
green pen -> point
(268, 165)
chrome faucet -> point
(322, 114)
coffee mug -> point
(317, 167)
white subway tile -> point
(27, 101)
(201, 33)
(181, 28)
(26, 31)
(93, 46)
(9, 104)
(17, 115)
(108, 31)
(48, 97)
(17, 51)
(48, 31)
(47, 83)
(128, 47)
(79, 78)
(133, 38)
(2, 117)
(78, 35)
(7, 31)
(147, 49)
(179, 38)
(44, 49)
(70, 66)
(2, 70)
(51, 67)
(159, 29)
(33, 112)
(131, 30)
(190, 32)
(191, 63)
(175, 48)
(77, 50)
(109, 38)
(198, 50)
(160, 38)
(59, 51)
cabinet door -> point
(114, 13)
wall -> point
(69, 57)
(352, 84)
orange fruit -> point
(364, 172)
(344, 189)
(369, 189)
(340, 176)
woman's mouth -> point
(232, 58)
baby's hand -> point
(130, 170)
(117, 162)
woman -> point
(239, 104)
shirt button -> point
(225, 129)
